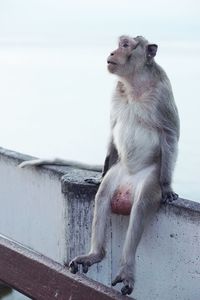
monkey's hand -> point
(168, 194)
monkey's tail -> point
(60, 162)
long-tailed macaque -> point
(141, 154)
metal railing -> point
(41, 278)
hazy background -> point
(54, 87)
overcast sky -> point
(98, 21)
(50, 52)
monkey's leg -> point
(101, 212)
(147, 197)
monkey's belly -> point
(121, 201)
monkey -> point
(141, 155)
(142, 151)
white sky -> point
(47, 46)
(89, 21)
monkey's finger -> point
(73, 267)
(117, 279)
(172, 197)
(127, 290)
(169, 197)
(175, 196)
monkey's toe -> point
(85, 267)
(126, 290)
(73, 267)
(86, 261)
(127, 279)
(117, 279)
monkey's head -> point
(131, 54)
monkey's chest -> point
(134, 141)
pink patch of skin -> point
(121, 201)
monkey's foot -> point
(169, 197)
(86, 261)
(126, 277)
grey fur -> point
(142, 150)
(59, 162)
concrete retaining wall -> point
(50, 210)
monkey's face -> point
(131, 54)
(120, 60)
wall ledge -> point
(55, 204)
(75, 180)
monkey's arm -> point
(168, 159)
(170, 131)
(111, 158)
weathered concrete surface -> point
(50, 210)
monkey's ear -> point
(151, 51)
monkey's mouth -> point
(111, 62)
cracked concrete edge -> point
(74, 181)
